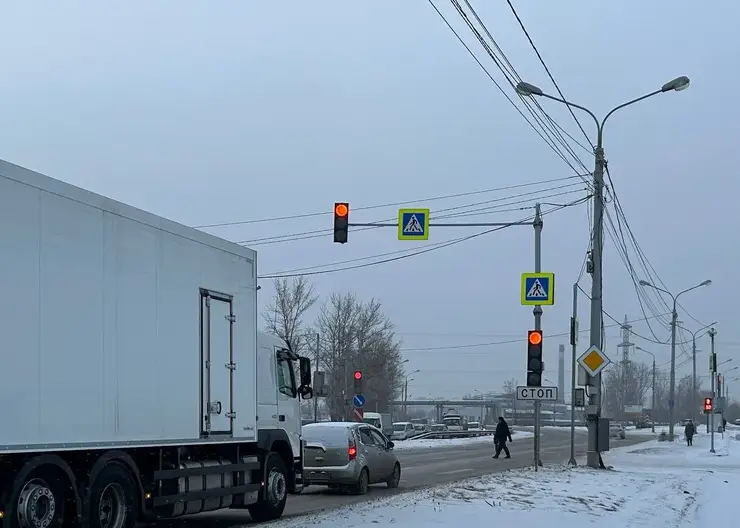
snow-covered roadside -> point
(652, 484)
(406, 445)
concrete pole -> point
(573, 366)
(672, 390)
(694, 403)
(652, 409)
(712, 333)
(593, 457)
(315, 398)
(537, 326)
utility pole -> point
(693, 382)
(593, 454)
(315, 398)
(537, 311)
(594, 408)
(573, 366)
(713, 369)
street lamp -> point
(694, 335)
(653, 410)
(674, 318)
(406, 392)
(528, 90)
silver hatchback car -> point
(348, 455)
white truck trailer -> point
(134, 383)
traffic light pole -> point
(537, 326)
(712, 374)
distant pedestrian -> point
(500, 436)
(688, 432)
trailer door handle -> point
(281, 417)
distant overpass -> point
(455, 403)
(490, 403)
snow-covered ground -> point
(652, 484)
(450, 442)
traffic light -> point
(358, 382)
(534, 358)
(719, 384)
(341, 222)
(708, 404)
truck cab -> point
(278, 398)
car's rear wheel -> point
(395, 478)
(363, 483)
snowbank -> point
(653, 484)
(405, 445)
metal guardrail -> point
(437, 435)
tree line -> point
(346, 334)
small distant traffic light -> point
(358, 382)
(708, 405)
(719, 384)
(341, 222)
(534, 358)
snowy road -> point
(422, 468)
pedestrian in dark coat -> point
(688, 432)
(500, 436)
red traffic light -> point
(341, 209)
(707, 404)
(358, 374)
(535, 337)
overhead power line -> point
(390, 204)
(503, 342)
(428, 249)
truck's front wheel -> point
(275, 494)
(113, 501)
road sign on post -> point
(359, 401)
(413, 224)
(593, 361)
(358, 414)
(538, 289)
(537, 393)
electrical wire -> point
(389, 258)
(533, 196)
(502, 342)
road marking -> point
(406, 468)
(465, 470)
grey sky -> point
(210, 112)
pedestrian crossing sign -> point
(538, 289)
(413, 224)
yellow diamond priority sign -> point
(593, 361)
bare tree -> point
(356, 335)
(626, 385)
(284, 315)
(509, 390)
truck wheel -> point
(40, 501)
(272, 503)
(113, 499)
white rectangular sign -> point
(537, 393)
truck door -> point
(289, 405)
(217, 363)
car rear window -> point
(329, 436)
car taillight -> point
(352, 452)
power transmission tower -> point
(625, 347)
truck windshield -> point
(375, 422)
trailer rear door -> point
(217, 320)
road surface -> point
(421, 469)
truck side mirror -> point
(305, 368)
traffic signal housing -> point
(358, 381)
(534, 358)
(341, 222)
(708, 405)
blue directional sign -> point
(359, 401)
(413, 224)
(538, 289)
